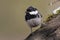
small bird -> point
(33, 17)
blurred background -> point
(12, 14)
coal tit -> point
(33, 17)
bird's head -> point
(32, 11)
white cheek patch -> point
(33, 12)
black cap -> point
(31, 9)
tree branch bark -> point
(51, 31)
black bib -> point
(28, 16)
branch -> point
(48, 32)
